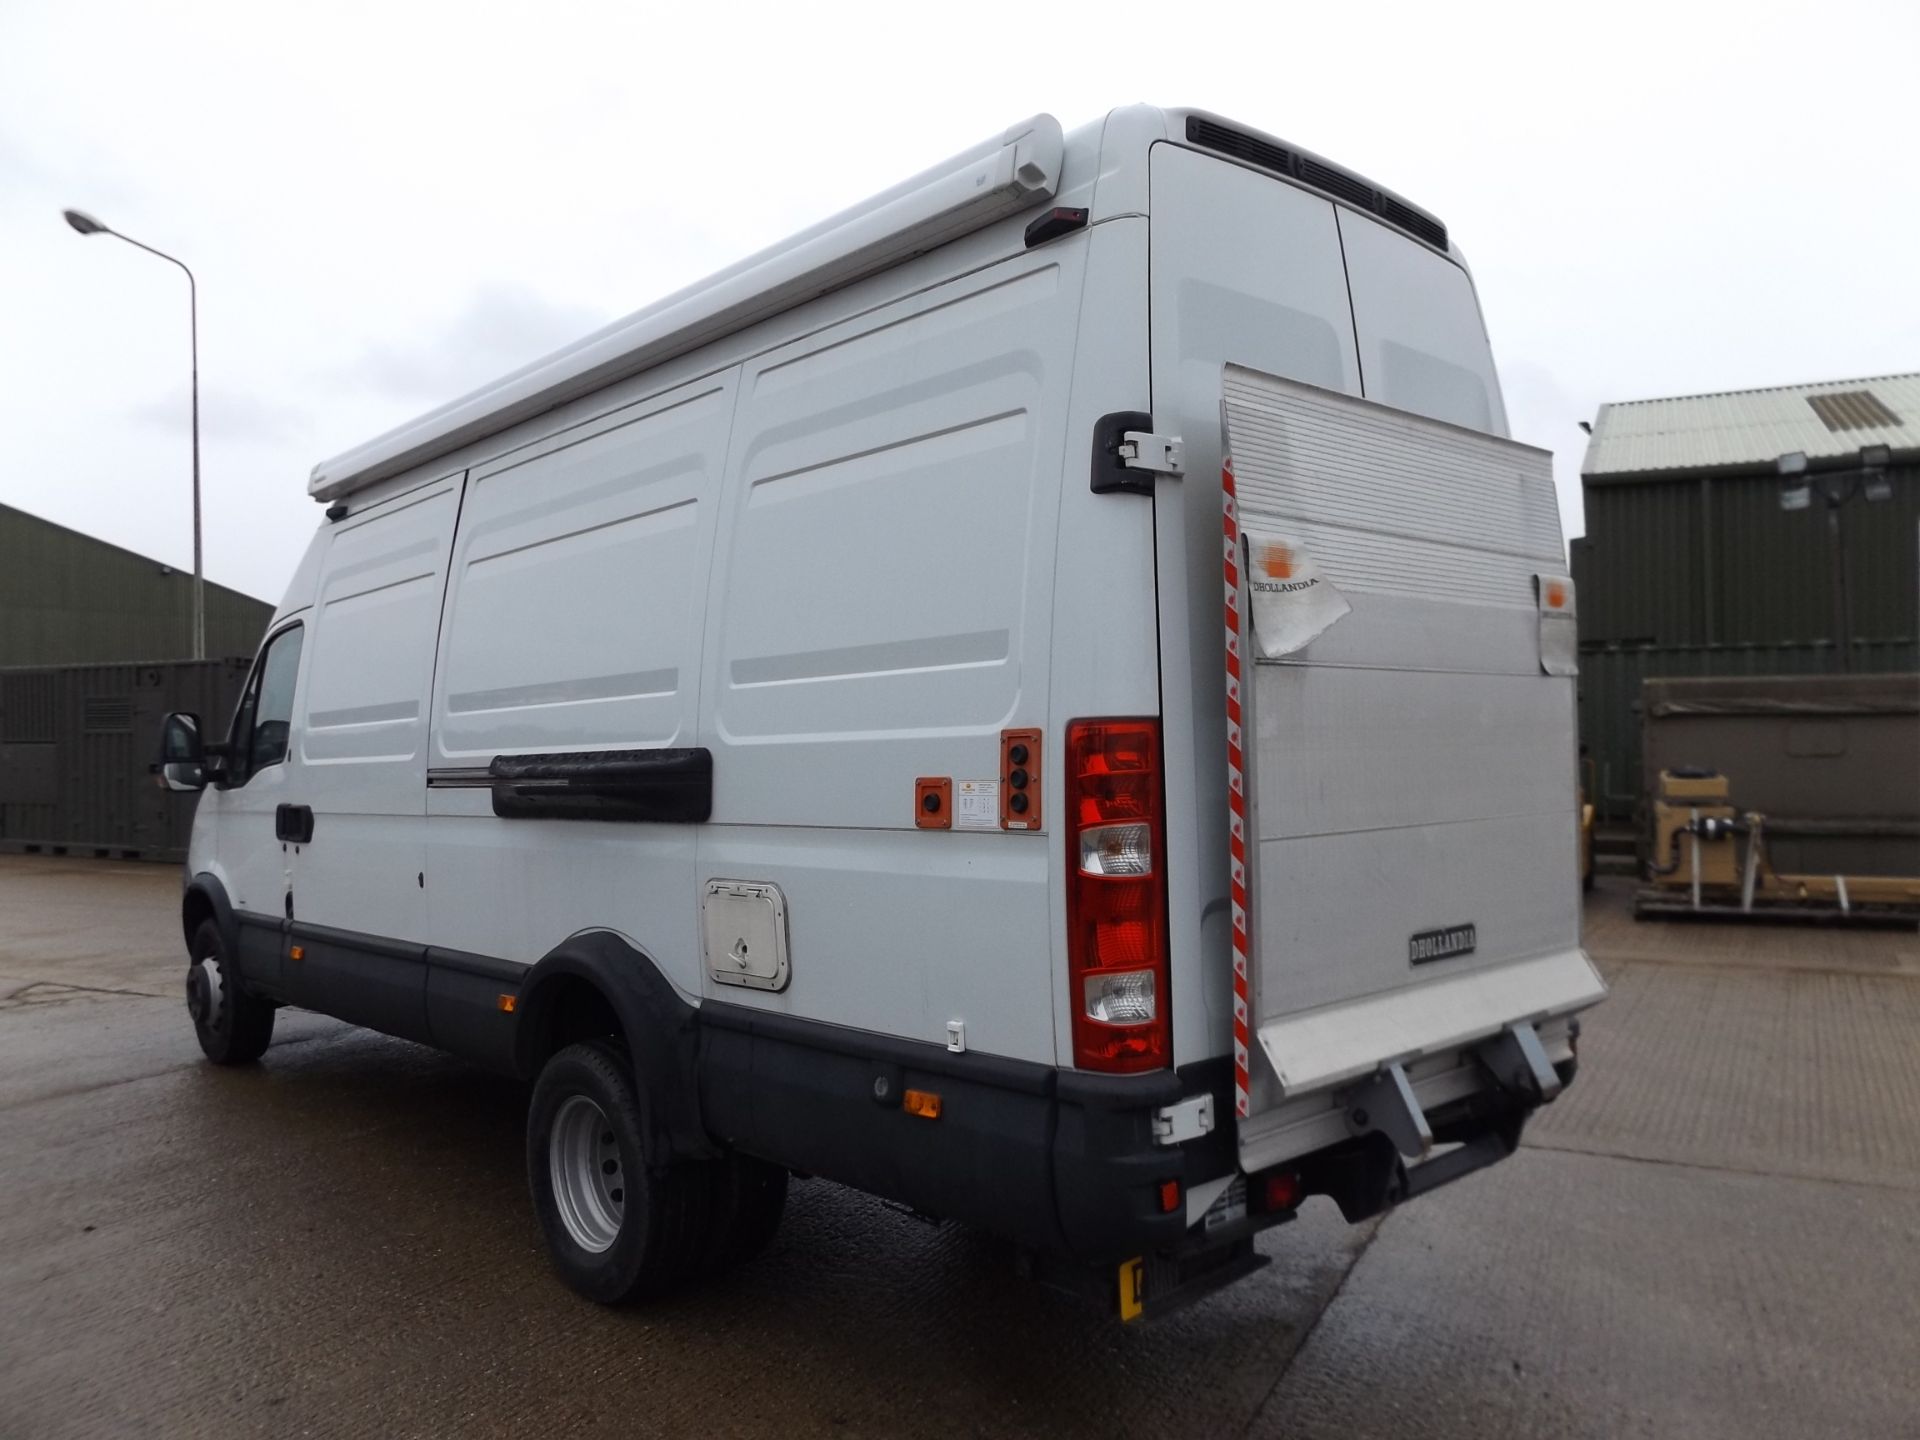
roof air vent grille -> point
(1337, 182)
(1240, 145)
(1328, 179)
(1852, 410)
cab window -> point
(264, 721)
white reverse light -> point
(1121, 997)
(1116, 850)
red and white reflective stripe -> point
(1236, 791)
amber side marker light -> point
(923, 1103)
(508, 1004)
(298, 952)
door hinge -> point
(1162, 454)
(1188, 1120)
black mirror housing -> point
(183, 753)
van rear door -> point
(1401, 874)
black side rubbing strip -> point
(662, 786)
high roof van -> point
(1046, 697)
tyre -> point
(233, 1027)
(748, 1199)
(616, 1228)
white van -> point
(854, 718)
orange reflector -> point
(923, 1103)
(507, 1003)
(1169, 1196)
(299, 952)
(1556, 595)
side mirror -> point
(183, 755)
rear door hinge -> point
(1127, 455)
(1162, 454)
(1188, 1120)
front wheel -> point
(233, 1027)
(616, 1228)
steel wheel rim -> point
(208, 1008)
(589, 1180)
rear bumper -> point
(1057, 1161)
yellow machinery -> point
(1710, 859)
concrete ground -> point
(1716, 1233)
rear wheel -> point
(616, 1228)
(233, 1027)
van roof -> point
(1021, 167)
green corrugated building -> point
(69, 599)
(1691, 566)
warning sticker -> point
(1292, 602)
(976, 804)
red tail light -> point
(1116, 896)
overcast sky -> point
(389, 204)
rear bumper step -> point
(1337, 1044)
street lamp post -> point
(87, 225)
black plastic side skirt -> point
(1054, 1160)
(827, 1100)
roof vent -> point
(1355, 190)
(1852, 410)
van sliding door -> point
(572, 631)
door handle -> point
(293, 823)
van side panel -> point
(1242, 265)
(881, 606)
(572, 624)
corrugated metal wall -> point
(1711, 577)
(1718, 562)
(66, 599)
(75, 743)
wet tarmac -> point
(1717, 1232)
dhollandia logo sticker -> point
(1442, 944)
(1292, 601)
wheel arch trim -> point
(662, 1032)
(203, 894)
